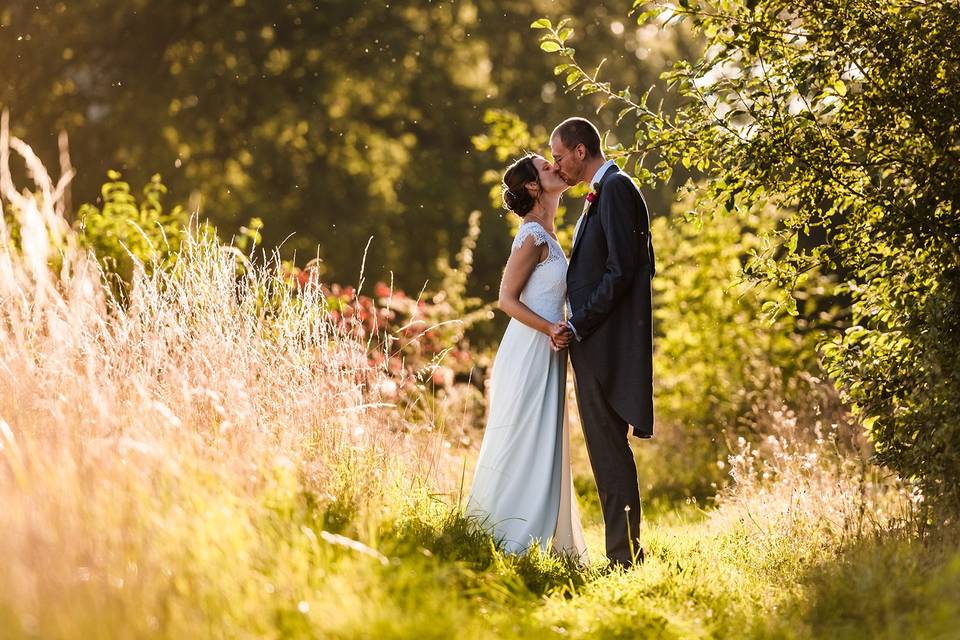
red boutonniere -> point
(592, 196)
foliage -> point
(720, 363)
(253, 109)
(122, 230)
(420, 347)
(844, 114)
(419, 344)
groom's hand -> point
(560, 336)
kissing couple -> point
(596, 306)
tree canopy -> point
(844, 115)
(331, 121)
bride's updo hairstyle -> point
(516, 197)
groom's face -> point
(569, 162)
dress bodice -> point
(546, 289)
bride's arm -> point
(523, 260)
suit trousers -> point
(614, 469)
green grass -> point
(704, 578)
(701, 582)
(190, 552)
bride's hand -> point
(560, 336)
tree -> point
(844, 114)
(330, 121)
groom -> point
(609, 332)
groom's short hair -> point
(574, 131)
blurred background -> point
(311, 127)
(330, 121)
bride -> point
(523, 490)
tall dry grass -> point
(173, 460)
(803, 475)
(804, 496)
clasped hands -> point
(560, 336)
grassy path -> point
(704, 578)
(279, 570)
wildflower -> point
(302, 278)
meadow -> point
(206, 455)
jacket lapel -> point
(586, 217)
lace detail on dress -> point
(540, 236)
(546, 289)
(526, 230)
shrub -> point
(720, 362)
(121, 230)
(844, 114)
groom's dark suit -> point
(608, 286)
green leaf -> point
(840, 87)
(550, 46)
(792, 306)
(542, 23)
(792, 243)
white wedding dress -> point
(523, 488)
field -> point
(212, 457)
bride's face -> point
(550, 179)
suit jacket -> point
(608, 287)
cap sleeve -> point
(526, 230)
